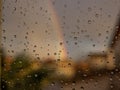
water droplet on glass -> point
(89, 21)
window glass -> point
(60, 44)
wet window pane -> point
(60, 44)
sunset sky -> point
(58, 28)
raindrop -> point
(38, 58)
(65, 6)
(2, 20)
(32, 31)
(53, 2)
(111, 86)
(15, 1)
(10, 45)
(89, 9)
(55, 53)
(89, 21)
(109, 16)
(101, 9)
(61, 43)
(3, 31)
(53, 84)
(35, 46)
(112, 73)
(41, 8)
(99, 34)
(4, 37)
(82, 87)
(14, 8)
(93, 45)
(12, 51)
(75, 38)
(34, 50)
(36, 22)
(111, 79)
(66, 41)
(96, 15)
(75, 43)
(85, 75)
(14, 36)
(36, 75)
(69, 64)
(26, 37)
(73, 88)
(27, 33)
(48, 54)
(73, 83)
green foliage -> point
(35, 78)
(32, 80)
(21, 61)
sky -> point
(58, 28)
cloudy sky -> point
(58, 28)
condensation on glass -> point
(60, 44)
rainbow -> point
(58, 29)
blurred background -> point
(60, 44)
